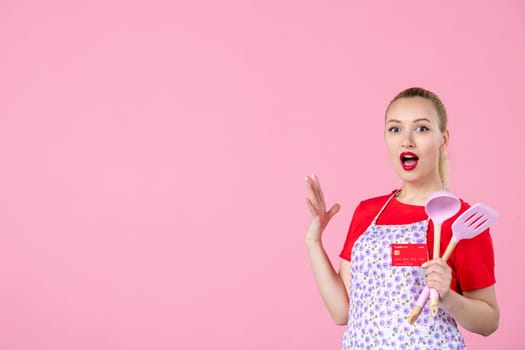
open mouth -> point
(408, 160)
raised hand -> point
(317, 206)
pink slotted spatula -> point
(471, 223)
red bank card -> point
(409, 254)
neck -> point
(416, 194)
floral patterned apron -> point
(382, 295)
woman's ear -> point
(444, 143)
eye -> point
(393, 129)
(422, 128)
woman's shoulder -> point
(377, 200)
(374, 203)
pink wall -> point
(153, 156)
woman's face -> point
(414, 141)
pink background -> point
(153, 157)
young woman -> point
(370, 295)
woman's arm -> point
(476, 310)
(333, 288)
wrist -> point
(313, 243)
(447, 301)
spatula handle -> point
(434, 302)
(450, 249)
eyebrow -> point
(415, 121)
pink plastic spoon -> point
(441, 206)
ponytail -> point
(443, 169)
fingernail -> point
(424, 265)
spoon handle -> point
(437, 240)
(434, 295)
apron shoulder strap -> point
(396, 192)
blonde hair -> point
(443, 120)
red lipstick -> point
(408, 160)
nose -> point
(408, 140)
